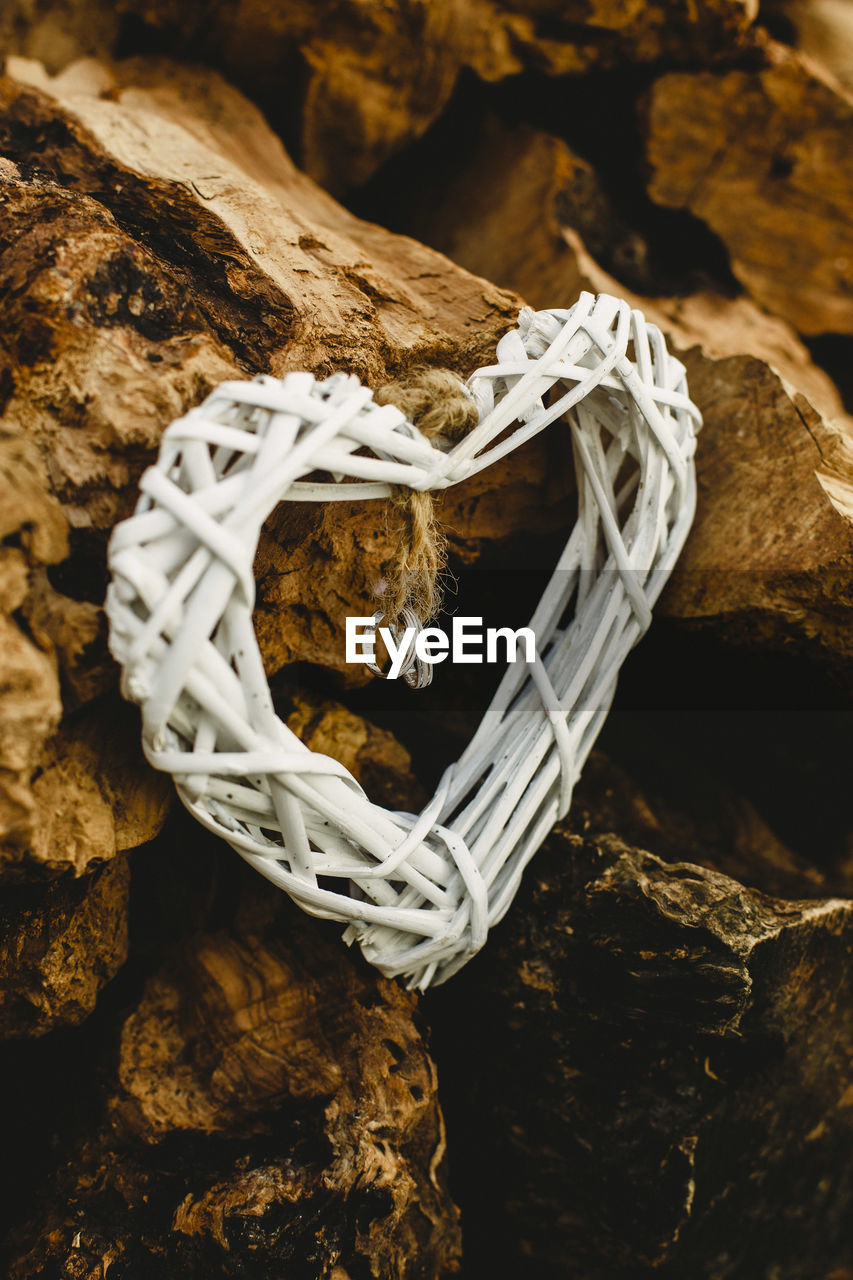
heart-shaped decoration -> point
(419, 891)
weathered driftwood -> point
(138, 339)
(271, 1107)
(264, 1042)
(182, 268)
(764, 156)
(247, 1100)
(668, 1090)
(141, 265)
(373, 755)
(54, 807)
(770, 559)
(59, 944)
(352, 83)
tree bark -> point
(668, 1083)
(647, 1069)
(352, 84)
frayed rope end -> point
(441, 407)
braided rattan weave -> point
(418, 891)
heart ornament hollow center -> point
(419, 892)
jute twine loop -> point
(419, 892)
(439, 404)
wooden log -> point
(764, 157)
(770, 557)
(123, 309)
(163, 242)
(261, 1103)
(68, 800)
(677, 805)
(58, 947)
(34, 535)
(668, 1069)
(381, 764)
(271, 1110)
(350, 83)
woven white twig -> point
(419, 892)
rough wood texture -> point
(162, 241)
(34, 534)
(381, 764)
(770, 558)
(665, 1012)
(765, 158)
(352, 83)
(669, 1089)
(274, 1112)
(58, 946)
(59, 809)
(259, 292)
(177, 180)
(270, 1108)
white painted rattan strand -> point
(419, 892)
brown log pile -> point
(669, 1018)
(648, 1068)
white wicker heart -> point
(419, 891)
